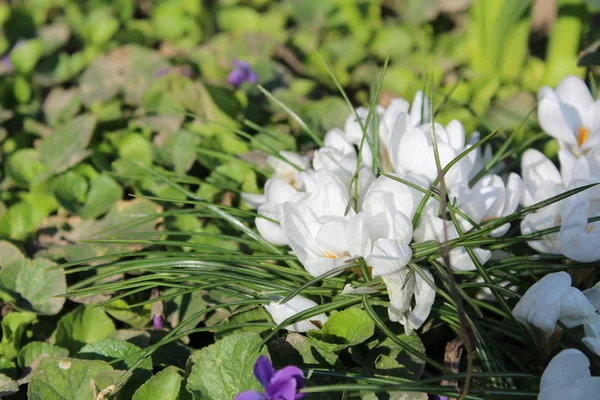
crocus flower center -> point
(329, 255)
(583, 134)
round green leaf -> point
(31, 351)
(345, 328)
(33, 287)
(165, 385)
(224, 369)
(84, 325)
(65, 379)
(111, 349)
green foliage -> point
(33, 351)
(345, 328)
(29, 285)
(165, 385)
(222, 370)
(58, 378)
(84, 325)
(101, 100)
(15, 328)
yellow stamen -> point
(583, 135)
(589, 228)
(329, 255)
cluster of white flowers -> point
(570, 115)
(333, 209)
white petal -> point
(394, 121)
(567, 166)
(573, 91)
(456, 134)
(420, 107)
(546, 91)
(299, 226)
(403, 230)
(279, 191)
(536, 168)
(389, 256)
(571, 391)
(540, 305)
(320, 266)
(593, 295)
(575, 309)
(281, 312)
(254, 200)
(559, 120)
(538, 221)
(593, 344)
(493, 193)
(352, 129)
(460, 260)
(332, 237)
(357, 236)
(578, 240)
(566, 367)
(514, 191)
(592, 327)
(406, 199)
(400, 287)
(593, 122)
(271, 232)
(336, 139)
(424, 299)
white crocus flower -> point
(490, 198)
(401, 287)
(406, 199)
(592, 335)
(580, 239)
(289, 171)
(280, 312)
(568, 376)
(570, 115)
(286, 170)
(414, 152)
(397, 119)
(277, 192)
(552, 299)
(440, 230)
(316, 225)
(354, 132)
(339, 156)
(381, 235)
(593, 296)
(541, 180)
(482, 157)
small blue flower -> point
(279, 385)
(241, 72)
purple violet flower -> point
(157, 321)
(279, 385)
(241, 72)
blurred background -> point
(89, 85)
